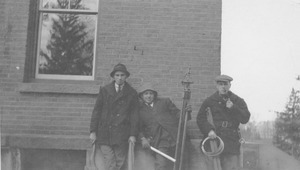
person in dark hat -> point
(227, 111)
(159, 119)
(114, 120)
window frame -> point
(39, 15)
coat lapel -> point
(111, 89)
(154, 108)
(217, 98)
(116, 96)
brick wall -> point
(158, 40)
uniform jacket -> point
(160, 120)
(239, 113)
(115, 115)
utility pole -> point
(182, 127)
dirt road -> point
(272, 158)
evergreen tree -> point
(287, 124)
(69, 50)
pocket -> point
(231, 139)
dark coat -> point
(239, 113)
(163, 116)
(115, 115)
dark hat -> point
(146, 87)
(223, 77)
(120, 67)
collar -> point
(224, 96)
(217, 96)
(117, 86)
(151, 104)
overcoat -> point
(115, 115)
(163, 116)
(226, 120)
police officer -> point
(227, 110)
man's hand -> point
(131, 139)
(212, 134)
(188, 108)
(93, 137)
(145, 143)
(229, 103)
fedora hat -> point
(120, 67)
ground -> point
(272, 158)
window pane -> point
(70, 4)
(84, 4)
(66, 44)
(55, 4)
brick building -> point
(46, 114)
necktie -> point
(119, 89)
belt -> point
(224, 124)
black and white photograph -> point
(150, 84)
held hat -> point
(146, 87)
(223, 78)
(120, 67)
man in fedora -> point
(227, 111)
(114, 120)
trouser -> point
(228, 162)
(162, 163)
(114, 156)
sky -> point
(261, 50)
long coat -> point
(226, 121)
(115, 115)
(164, 116)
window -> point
(66, 39)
